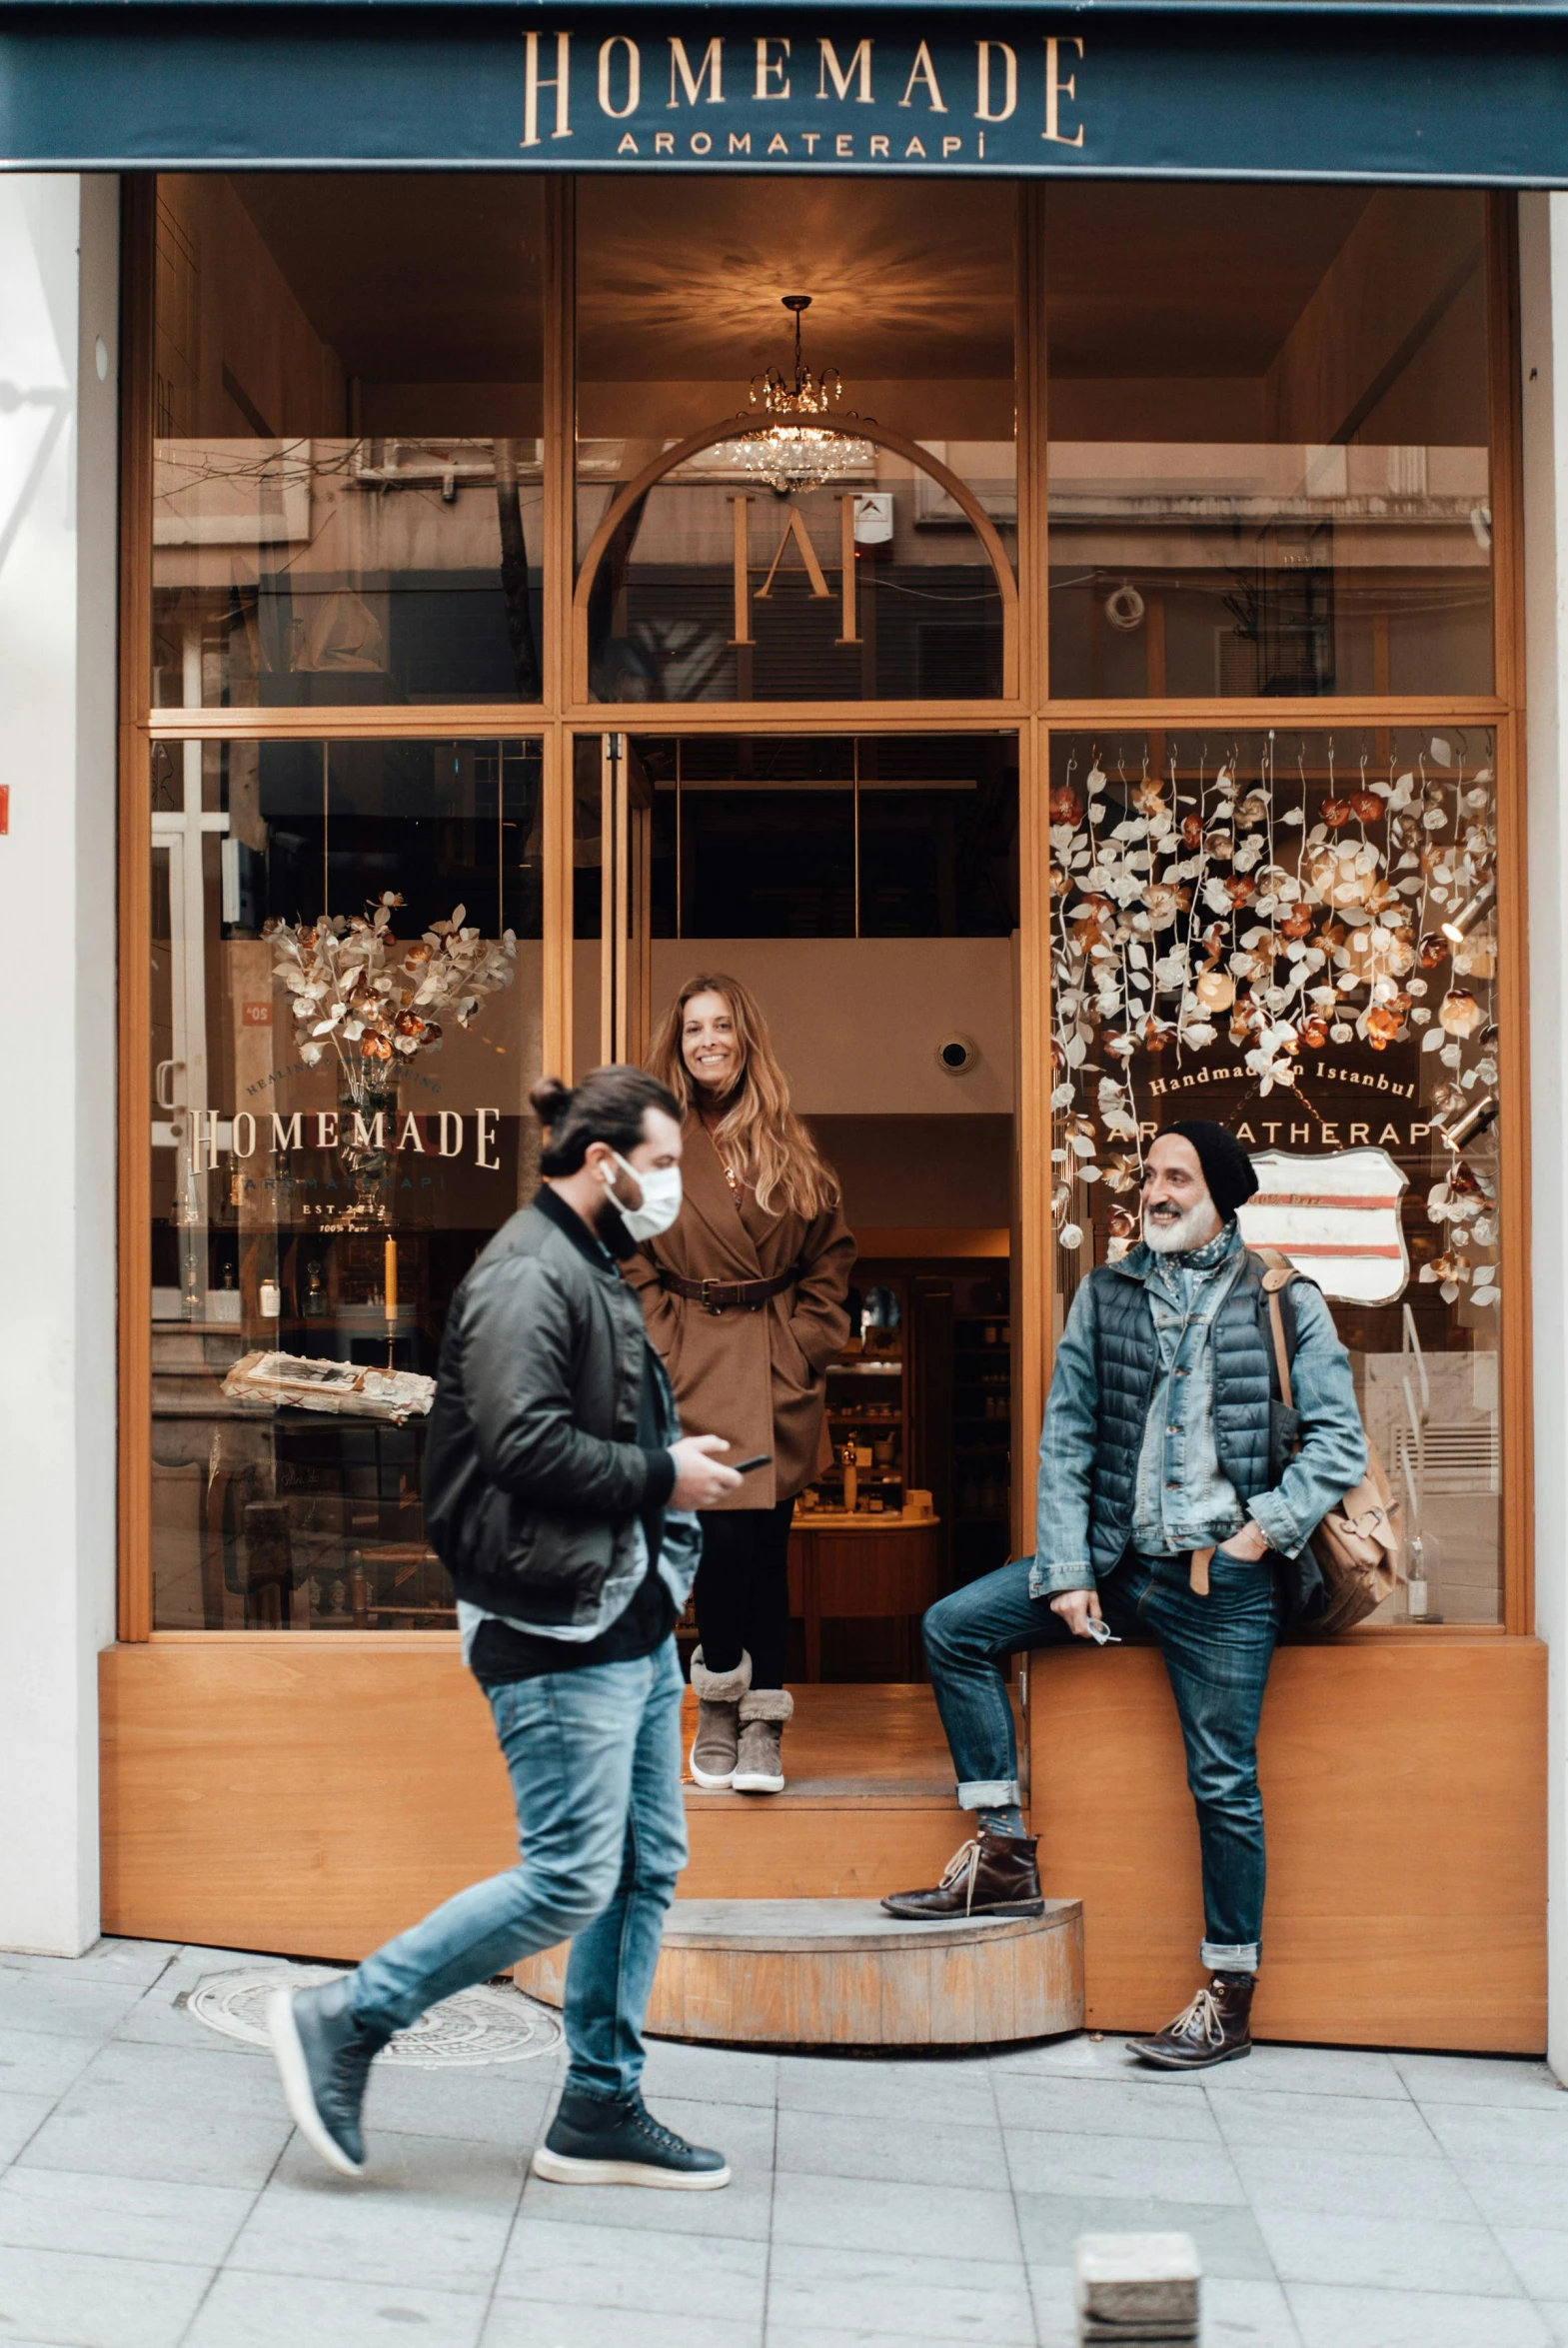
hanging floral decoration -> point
(1197, 913)
(360, 991)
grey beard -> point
(1174, 1239)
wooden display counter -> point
(843, 1568)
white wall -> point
(59, 297)
(1543, 257)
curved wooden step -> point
(841, 1972)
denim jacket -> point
(1331, 1460)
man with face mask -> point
(559, 1493)
(1161, 1513)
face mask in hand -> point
(661, 1189)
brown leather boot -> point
(1216, 2029)
(994, 1875)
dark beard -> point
(612, 1235)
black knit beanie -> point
(1227, 1168)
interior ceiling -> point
(683, 281)
(434, 278)
(1184, 279)
(427, 277)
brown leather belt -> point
(715, 1295)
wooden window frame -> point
(1027, 712)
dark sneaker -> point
(324, 2056)
(591, 2142)
(994, 1875)
(1216, 2029)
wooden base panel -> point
(774, 1972)
(314, 1795)
(1405, 1790)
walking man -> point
(557, 1491)
(1161, 1515)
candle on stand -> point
(390, 1280)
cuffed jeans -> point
(1216, 1650)
(594, 1757)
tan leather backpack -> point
(1358, 1544)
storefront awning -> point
(1385, 90)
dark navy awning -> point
(1402, 90)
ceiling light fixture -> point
(793, 450)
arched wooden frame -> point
(736, 428)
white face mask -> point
(661, 1189)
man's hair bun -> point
(550, 1100)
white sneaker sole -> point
(559, 2168)
(704, 1778)
(293, 2070)
(756, 1783)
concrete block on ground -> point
(1138, 2287)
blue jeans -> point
(1217, 1651)
(594, 1757)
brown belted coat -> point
(753, 1374)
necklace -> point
(728, 1170)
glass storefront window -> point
(338, 1126)
(873, 584)
(1269, 445)
(1297, 936)
(347, 474)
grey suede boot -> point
(759, 1768)
(719, 1695)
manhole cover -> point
(477, 2027)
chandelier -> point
(794, 450)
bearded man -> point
(1163, 1514)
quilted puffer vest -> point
(1127, 1361)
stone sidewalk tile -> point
(217, 2075)
(840, 2144)
(1310, 2070)
(500, 2103)
(1229, 2242)
(299, 2311)
(130, 1961)
(1478, 2078)
(1106, 2108)
(1516, 2193)
(1537, 2133)
(939, 2221)
(982, 2298)
(1055, 2162)
(37, 2063)
(429, 2211)
(1552, 2312)
(524, 2323)
(707, 2074)
(1330, 2315)
(21, 2117)
(1326, 2124)
(98, 2302)
(619, 2266)
(1539, 2257)
(65, 2009)
(121, 2218)
(120, 2134)
(1367, 2184)
(947, 2094)
(1388, 2253)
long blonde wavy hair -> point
(760, 1129)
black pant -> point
(743, 1589)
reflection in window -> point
(347, 501)
(338, 1126)
(1269, 465)
(873, 585)
(1297, 936)
(832, 838)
